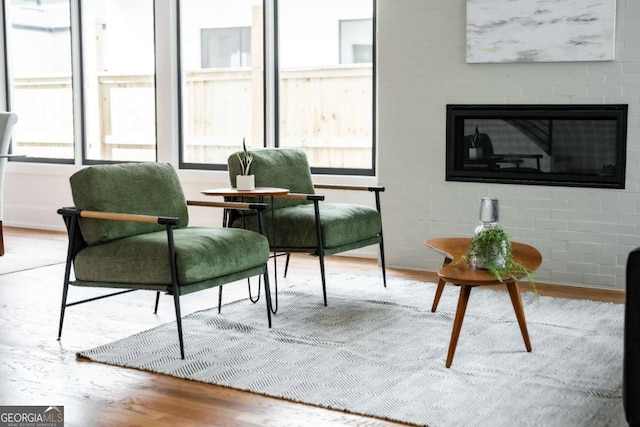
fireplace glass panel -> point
(548, 145)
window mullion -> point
(77, 86)
(270, 73)
(5, 74)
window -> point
(325, 103)
(41, 84)
(119, 80)
(221, 80)
(276, 73)
(106, 97)
(319, 93)
(226, 47)
(356, 45)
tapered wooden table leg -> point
(441, 282)
(514, 293)
(436, 298)
(465, 291)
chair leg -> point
(67, 275)
(176, 302)
(175, 286)
(324, 283)
(1, 240)
(65, 292)
(286, 264)
(267, 294)
(155, 309)
(320, 249)
(384, 270)
(251, 298)
(219, 299)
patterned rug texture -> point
(381, 352)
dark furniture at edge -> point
(631, 367)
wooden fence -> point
(327, 112)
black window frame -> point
(276, 76)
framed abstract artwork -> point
(540, 30)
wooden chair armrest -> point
(117, 216)
(376, 189)
(300, 196)
(349, 187)
(229, 205)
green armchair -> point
(129, 230)
(301, 221)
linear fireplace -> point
(570, 145)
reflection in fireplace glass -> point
(574, 145)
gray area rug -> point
(381, 352)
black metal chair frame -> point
(316, 199)
(71, 218)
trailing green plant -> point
(245, 159)
(492, 247)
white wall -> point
(583, 234)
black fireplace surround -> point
(567, 145)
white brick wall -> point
(583, 234)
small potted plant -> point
(490, 249)
(246, 181)
(475, 151)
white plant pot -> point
(475, 153)
(245, 182)
(481, 261)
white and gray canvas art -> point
(540, 30)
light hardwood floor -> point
(36, 369)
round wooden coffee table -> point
(453, 248)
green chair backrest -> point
(135, 188)
(277, 167)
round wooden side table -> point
(453, 248)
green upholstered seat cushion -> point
(136, 188)
(202, 254)
(277, 167)
(342, 225)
